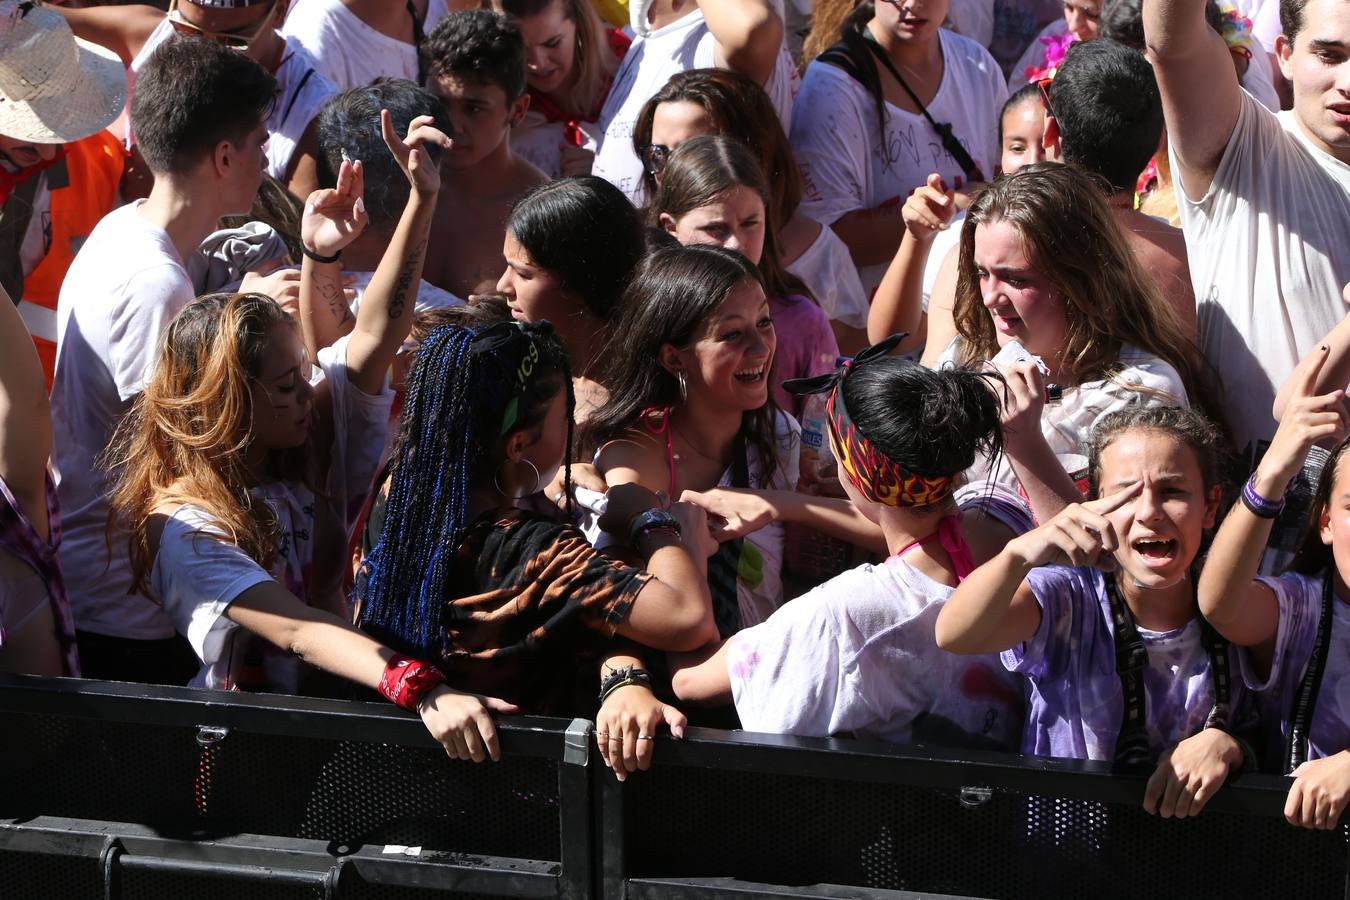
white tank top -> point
(349, 52)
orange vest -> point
(95, 166)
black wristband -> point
(317, 258)
(622, 678)
(651, 520)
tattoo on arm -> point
(404, 281)
(333, 294)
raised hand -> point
(1022, 401)
(929, 209)
(1080, 535)
(410, 152)
(1309, 418)
(334, 217)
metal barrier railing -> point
(132, 791)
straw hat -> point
(54, 87)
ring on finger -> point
(646, 737)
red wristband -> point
(406, 681)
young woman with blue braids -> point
(505, 601)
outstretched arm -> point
(749, 35)
(1200, 93)
(25, 417)
(122, 29)
(994, 608)
(333, 218)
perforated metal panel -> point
(41, 876)
(346, 792)
(138, 885)
(762, 828)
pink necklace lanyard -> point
(950, 539)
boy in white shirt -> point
(199, 113)
(1264, 198)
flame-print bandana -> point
(876, 476)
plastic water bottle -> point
(812, 557)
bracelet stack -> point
(623, 678)
(406, 681)
(1261, 507)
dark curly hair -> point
(478, 44)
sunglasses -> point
(230, 39)
(1044, 86)
(654, 157)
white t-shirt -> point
(828, 272)
(857, 655)
(972, 18)
(301, 92)
(124, 286)
(1269, 249)
(428, 295)
(844, 162)
(350, 53)
(650, 62)
(1141, 379)
(196, 577)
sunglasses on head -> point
(230, 39)
(1044, 86)
(655, 157)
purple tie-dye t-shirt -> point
(1074, 697)
(1300, 603)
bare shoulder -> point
(637, 456)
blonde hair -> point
(185, 438)
(594, 64)
(1073, 240)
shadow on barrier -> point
(130, 791)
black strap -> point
(943, 129)
(299, 89)
(724, 566)
(1131, 660)
(418, 37)
(1305, 700)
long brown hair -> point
(186, 437)
(740, 109)
(703, 169)
(594, 64)
(1074, 241)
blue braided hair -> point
(467, 392)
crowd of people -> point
(960, 371)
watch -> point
(651, 520)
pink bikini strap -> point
(949, 538)
(663, 412)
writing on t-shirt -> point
(913, 144)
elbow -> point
(694, 632)
(756, 54)
(948, 636)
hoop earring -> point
(497, 483)
(684, 387)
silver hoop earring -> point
(684, 386)
(497, 483)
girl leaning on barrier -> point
(1097, 609)
(476, 586)
(220, 459)
(1293, 628)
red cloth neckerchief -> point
(10, 180)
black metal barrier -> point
(129, 792)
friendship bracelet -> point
(622, 678)
(1259, 506)
(406, 681)
(317, 257)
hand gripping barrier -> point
(131, 791)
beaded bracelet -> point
(1259, 506)
(406, 681)
(622, 678)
